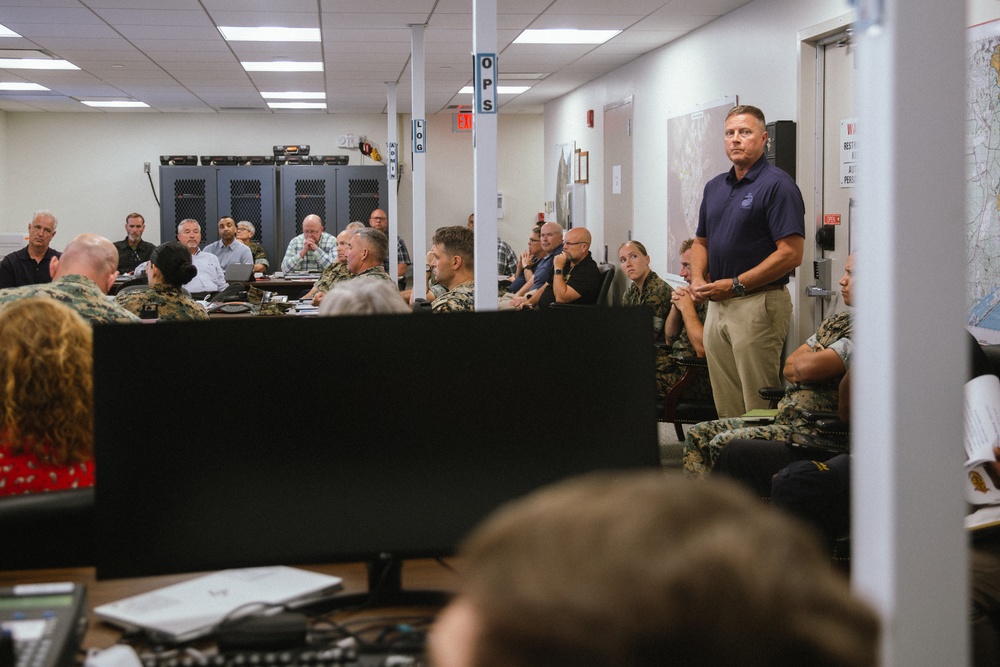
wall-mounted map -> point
(695, 153)
(982, 174)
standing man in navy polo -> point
(30, 265)
(751, 230)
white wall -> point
(752, 53)
(87, 167)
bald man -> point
(312, 250)
(575, 276)
(81, 278)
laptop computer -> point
(238, 272)
(194, 608)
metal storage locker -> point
(187, 192)
(248, 193)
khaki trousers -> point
(744, 337)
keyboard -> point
(334, 657)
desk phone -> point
(47, 622)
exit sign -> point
(461, 121)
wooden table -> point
(417, 574)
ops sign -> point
(486, 83)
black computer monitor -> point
(259, 441)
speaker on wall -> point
(780, 148)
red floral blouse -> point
(25, 473)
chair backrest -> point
(607, 278)
(46, 530)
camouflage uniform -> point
(259, 255)
(656, 293)
(332, 274)
(704, 441)
(461, 298)
(171, 303)
(377, 272)
(79, 293)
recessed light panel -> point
(35, 63)
(114, 104)
(565, 36)
(282, 66)
(297, 105)
(269, 34)
(293, 96)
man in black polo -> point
(30, 265)
(575, 276)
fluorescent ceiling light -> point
(293, 96)
(282, 66)
(269, 34)
(20, 85)
(115, 104)
(565, 36)
(35, 63)
(503, 90)
(297, 105)
(7, 32)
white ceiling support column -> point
(908, 544)
(419, 146)
(484, 127)
(392, 171)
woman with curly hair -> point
(46, 398)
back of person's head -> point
(354, 225)
(89, 255)
(46, 386)
(457, 240)
(377, 243)
(650, 569)
(364, 295)
(686, 245)
(174, 262)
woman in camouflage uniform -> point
(814, 371)
(169, 267)
(669, 326)
(244, 234)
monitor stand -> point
(385, 589)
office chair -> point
(607, 278)
(678, 408)
(48, 530)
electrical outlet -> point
(145, 167)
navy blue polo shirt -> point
(18, 269)
(742, 219)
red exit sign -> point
(461, 122)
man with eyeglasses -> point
(380, 221)
(526, 262)
(575, 276)
(552, 244)
(30, 265)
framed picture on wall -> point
(564, 181)
(582, 166)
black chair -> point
(679, 409)
(607, 278)
(47, 530)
